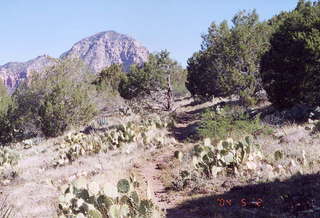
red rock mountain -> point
(97, 51)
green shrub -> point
(179, 83)
(290, 69)
(5, 99)
(9, 125)
(66, 105)
(227, 122)
(152, 77)
(57, 98)
(202, 82)
(8, 133)
(316, 128)
(229, 60)
(109, 78)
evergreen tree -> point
(290, 69)
(229, 60)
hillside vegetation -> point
(235, 134)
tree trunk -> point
(169, 95)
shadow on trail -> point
(298, 196)
(182, 98)
(186, 126)
(183, 133)
(187, 122)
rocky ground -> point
(288, 187)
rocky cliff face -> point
(106, 48)
(14, 72)
(97, 51)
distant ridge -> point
(106, 48)
(13, 72)
(97, 51)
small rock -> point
(294, 168)
(279, 169)
(251, 165)
(311, 121)
(207, 142)
(71, 178)
(283, 139)
(136, 165)
(6, 182)
(308, 128)
(304, 159)
(160, 166)
(93, 188)
(227, 184)
(292, 164)
(268, 172)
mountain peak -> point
(97, 51)
(109, 47)
(109, 33)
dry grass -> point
(6, 211)
(294, 140)
(39, 183)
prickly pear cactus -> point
(88, 199)
(8, 158)
(278, 155)
(178, 155)
(102, 121)
(212, 160)
(80, 144)
(123, 186)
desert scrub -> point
(8, 161)
(88, 199)
(316, 128)
(9, 123)
(57, 98)
(102, 121)
(221, 123)
(6, 210)
(80, 144)
(213, 159)
(29, 143)
(208, 162)
(8, 157)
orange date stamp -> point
(244, 202)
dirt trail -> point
(151, 169)
(35, 191)
(151, 173)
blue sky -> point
(34, 27)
